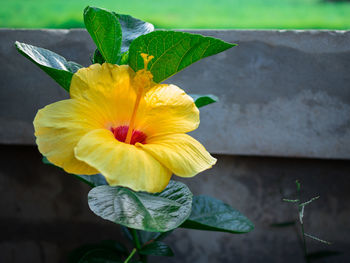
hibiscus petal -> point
(59, 127)
(180, 153)
(122, 164)
(105, 78)
(108, 86)
(168, 109)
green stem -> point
(300, 210)
(130, 256)
(136, 238)
(137, 243)
(304, 242)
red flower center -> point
(120, 133)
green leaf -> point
(97, 58)
(214, 215)
(172, 51)
(310, 201)
(105, 30)
(107, 251)
(132, 28)
(56, 66)
(290, 200)
(203, 100)
(124, 60)
(318, 239)
(127, 233)
(145, 236)
(159, 212)
(163, 235)
(92, 180)
(157, 248)
(298, 185)
(46, 161)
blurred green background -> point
(260, 14)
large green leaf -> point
(172, 51)
(157, 248)
(203, 100)
(132, 28)
(211, 214)
(105, 30)
(56, 66)
(159, 212)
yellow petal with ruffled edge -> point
(163, 109)
(122, 164)
(107, 79)
(109, 87)
(59, 127)
(104, 96)
(167, 109)
(180, 153)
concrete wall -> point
(283, 94)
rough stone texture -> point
(44, 212)
(283, 93)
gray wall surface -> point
(282, 93)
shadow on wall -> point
(45, 213)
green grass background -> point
(259, 14)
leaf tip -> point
(230, 45)
(18, 44)
(86, 9)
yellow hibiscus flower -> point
(123, 125)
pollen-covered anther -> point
(146, 59)
(143, 77)
(120, 134)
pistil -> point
(142, 81)
(132, 120)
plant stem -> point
(304, 242)
(136, 238)
(137, 243)
(131, 255)
(301, 215)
